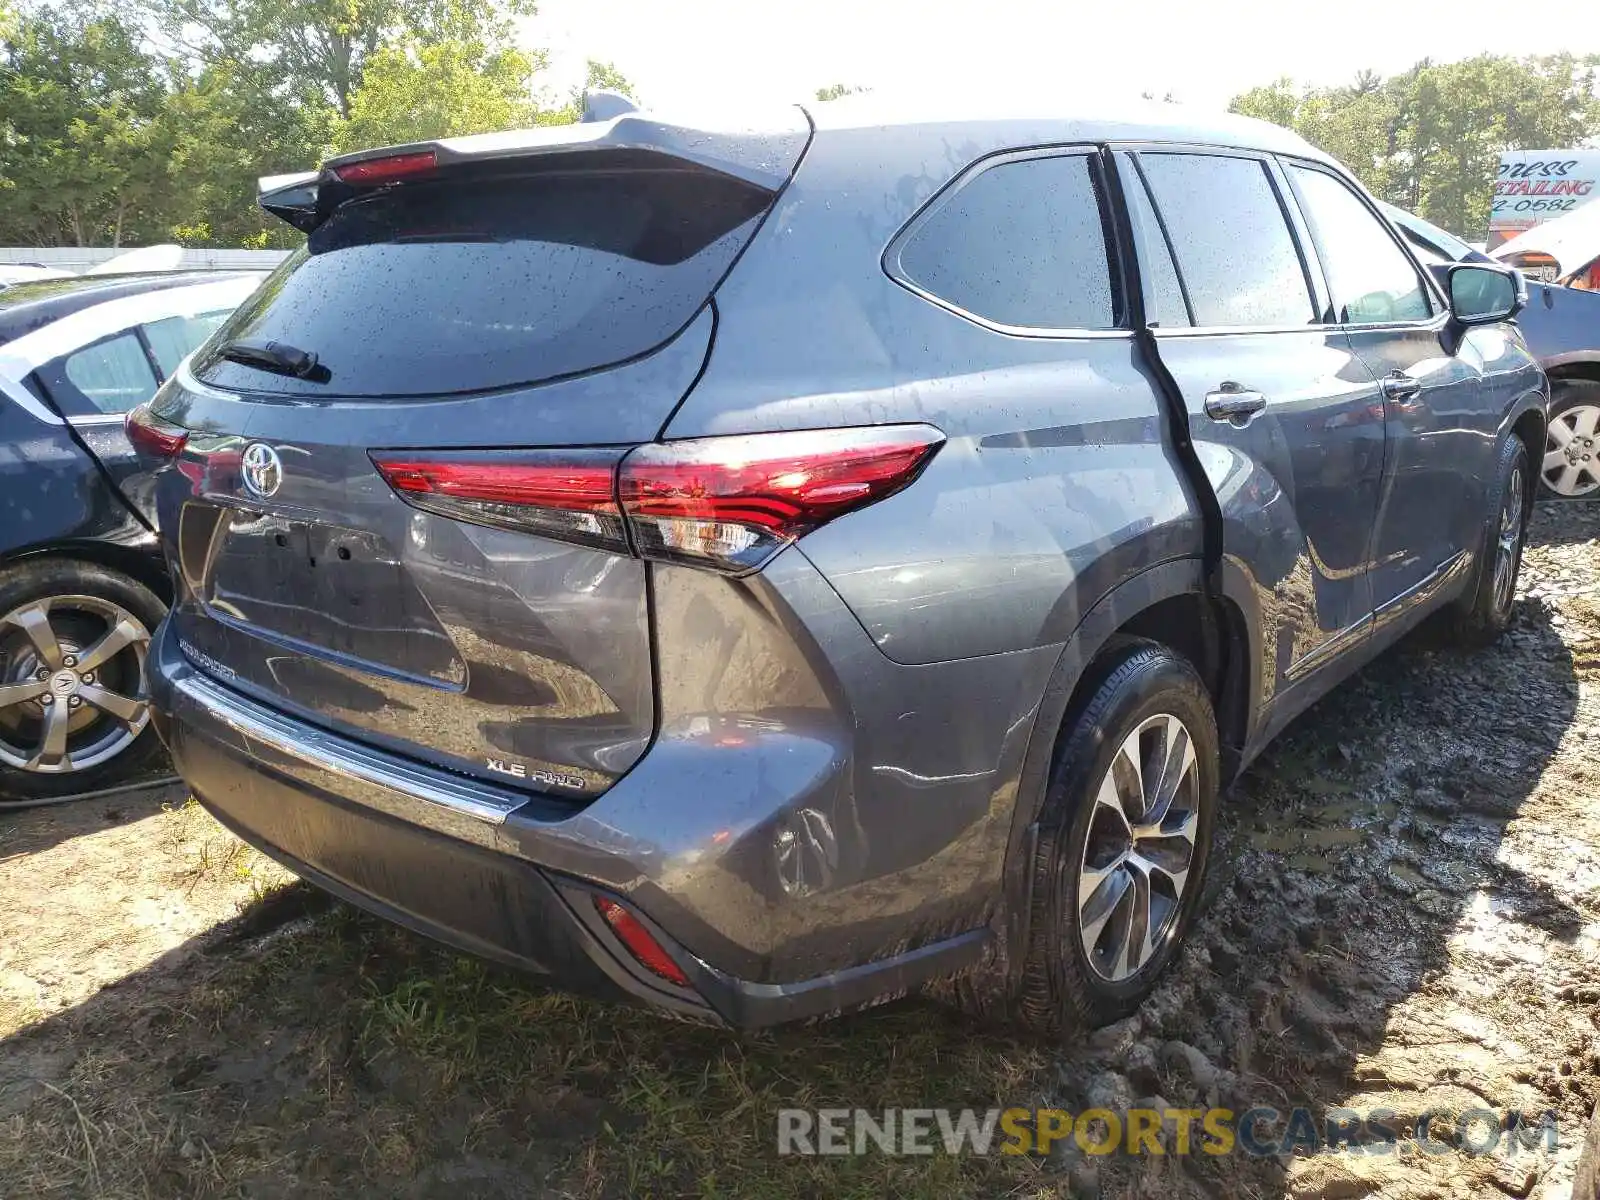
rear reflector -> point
(386, 170)
(152, 436)
(566, 494)
(640, 944)
(727, 503)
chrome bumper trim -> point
(321, 749)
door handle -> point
(1399, 387)
(1233, 403)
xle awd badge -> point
(534, 775)
(261, 469)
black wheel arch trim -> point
(1535, 403)
(1165, 581)
(1574, 358)
(139, 560)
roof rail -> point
(602, 104)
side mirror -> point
(1481, 294)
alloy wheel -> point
(1572, 451)
(72, 692)
(1508, 542)
(1139, 848)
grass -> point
(636, 1104)
(204, 853)
(308, 1046)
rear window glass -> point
(1022, 244)
(460, 286)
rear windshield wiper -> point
(278, 357)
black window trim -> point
(1441, 305)
(1136, 181)
(1116, 253)
(1417, 242)
(1298, 236)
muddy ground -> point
(1406, 917)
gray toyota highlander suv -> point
(762, 570)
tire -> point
(1069, 981)
(1484, 610)
(1570, 469)
(105, 736)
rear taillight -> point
(730, 502)
(566, 494)
(152, 436)
(727, 503)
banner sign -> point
(1535, 186)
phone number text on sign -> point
(1539, 185)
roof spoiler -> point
(291, 198)
(762, 153)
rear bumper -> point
(474, 866)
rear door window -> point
(1230, 236)
(1369, 275)
(1020, 244)
(465, 285)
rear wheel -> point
(74, 708)
(1125, 832)
(1484, 610)
(1571, 466)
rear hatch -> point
(523, 292)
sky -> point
(681, 53)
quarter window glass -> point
(1232, 243)
(1165, 294)
(173, 339)
(1371, 279)
(113, 375)
(1020, 244)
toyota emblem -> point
(262, 469)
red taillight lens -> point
(153, 436)
(386, 170)
(632, 933)
(567, 494)
(728, 503)
(731, 502)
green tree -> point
(604, 75)
(454, 88)
(321, 48)
(1429, 139)
(838, 91)
(597, 75)
(85, 143)
(106, 138)
(442, 90)
(229, 131)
